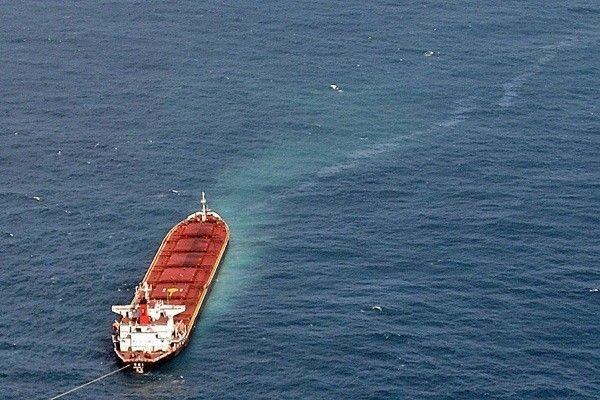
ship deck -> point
(186, 262)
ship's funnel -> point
(144, 318)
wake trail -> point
(512, 87)
(460, 112)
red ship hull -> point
(180, 274)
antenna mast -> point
(203, 202)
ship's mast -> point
(146, 289)
(203, 202)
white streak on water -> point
(462, 108)
(512, 87)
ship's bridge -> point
(147, 326)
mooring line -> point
(90, 382)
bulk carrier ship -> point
(158, 323)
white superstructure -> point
(148, 325)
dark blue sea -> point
(428, 228)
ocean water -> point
(429, 231)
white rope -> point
(89, 383)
